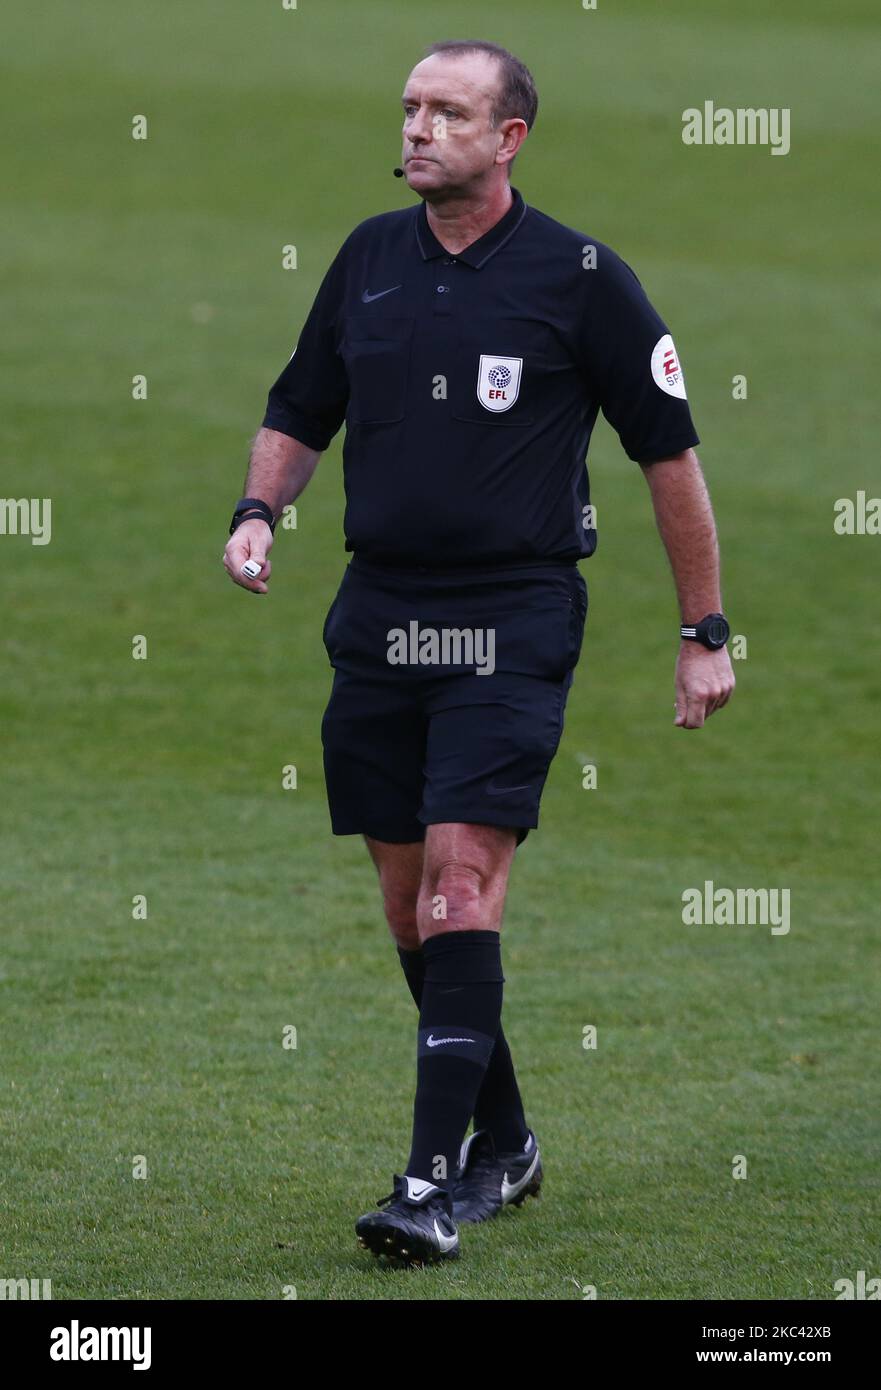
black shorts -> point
(462, 722)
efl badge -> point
(498, 381)
(666, 369)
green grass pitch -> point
(163, 777)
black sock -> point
(499, 1107)
(413, 966)
(458, 1021)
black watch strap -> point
(252, 509)
(712, 631)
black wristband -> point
(252, 509)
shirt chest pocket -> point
(376, 351)
(498, 375)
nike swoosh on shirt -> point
(502, 791)
(368, 298)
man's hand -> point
(250, 541)
(704, 683)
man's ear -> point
(513, 131)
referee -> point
(469, 343)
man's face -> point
(450, 143)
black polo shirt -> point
(470, 385)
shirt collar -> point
(480, 251)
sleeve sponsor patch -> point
(666, 369)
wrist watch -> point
(712, 631)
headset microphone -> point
(398, 173)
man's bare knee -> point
(401, 915)
(400, 872)
(465, 879)
(461, 887)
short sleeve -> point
(308, 401)
(631, 363)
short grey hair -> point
(517, 96)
